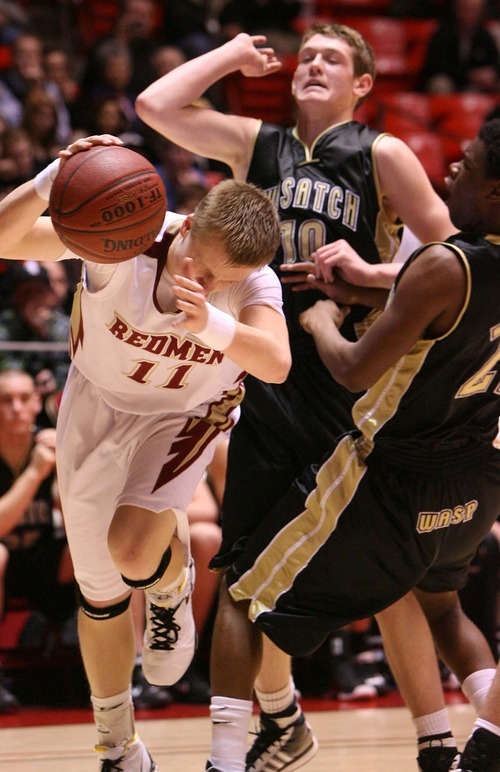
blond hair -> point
(243, 218)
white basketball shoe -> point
(132, 756)
(170, 636)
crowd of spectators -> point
(55, 90)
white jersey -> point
(124, 342)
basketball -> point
(107, 204)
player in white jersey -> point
(160, 345)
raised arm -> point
(406, 187)
(26, 234)
(167, 104)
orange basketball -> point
(107, 204)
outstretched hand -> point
(190, 299)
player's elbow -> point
(283, 370)
(280, 367)
(350, 376)
(145, 110)
(353, 383)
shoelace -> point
(270, 732)
(164, 630)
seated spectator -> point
(113, 80)
(189, 25)
(50, 395)
(462, 54)
(17, 164)
(61, 84)
(27, 74)
(61, 281)
(11, 109)
(34, 557)
(135, 29)
(34, 316)
(179, 167)
(26, 70)
(108, 117)
(40, 120)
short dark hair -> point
(489, 134)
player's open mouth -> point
(314, 84)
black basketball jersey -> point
(443, 396)
(322, 193)
(37, 520)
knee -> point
(127, 551)
(136, 541)
(227, 606)
(445, 610)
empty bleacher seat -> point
(404, 111)
(458, 118)
(428, 148)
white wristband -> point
(45, 178)
(220, 329)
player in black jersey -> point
(342, 191)
(416, 487)
(414, 490)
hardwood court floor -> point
(365, 740)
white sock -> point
(277, 702)
(230, 727)
(434, 725)
(114, 718)
(477, 685)
(483, 724)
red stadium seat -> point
(388, 39)
(458, 118)
(404, 111)
(418, 33)
(268, 98)
(428, 148)
(336, 9)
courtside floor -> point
(366, 739)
